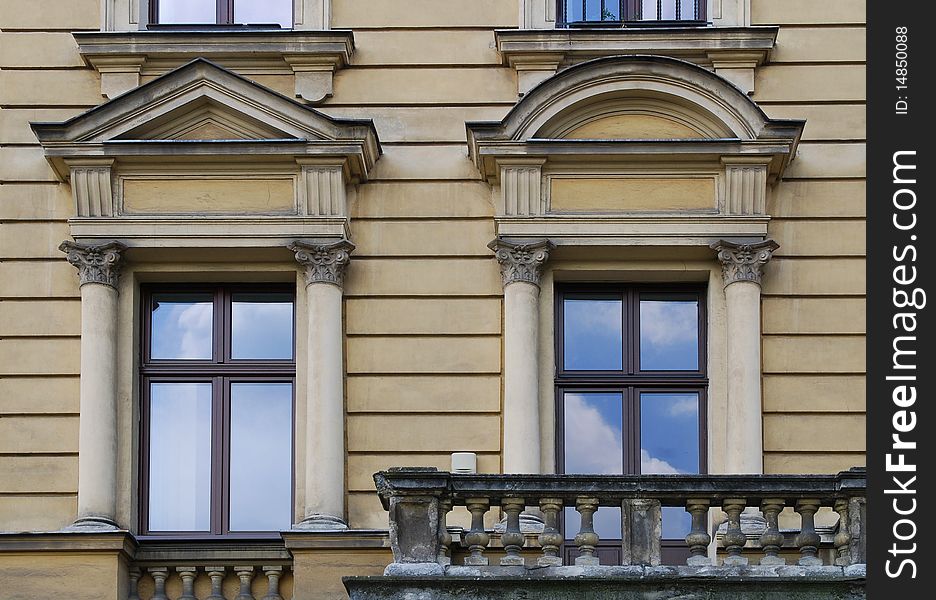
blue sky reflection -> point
(593, 334)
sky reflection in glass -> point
(261, 326)
(593, 442)
(187, 11)
(180, 457)
(669, 335)
(669, 443)
(181, 326)
(261, 456)
(593, 335)
(264, 12)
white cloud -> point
(683, 407)
(668, 323)
(598, 316)
(656, 466)
(592, 444)
(195, 324)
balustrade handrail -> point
(610, 490)
(418, 500)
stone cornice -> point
(743, 262)
(521, 260)
(95, 264)
(313, 56)
(323, 262)
(734, 52)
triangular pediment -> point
(202, 101)
(205, 118)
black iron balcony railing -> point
(630, 13)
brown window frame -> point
(224, 15)
(221, 371)
(629, 381)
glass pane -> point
(181, 326)
(573, 11)
(180, 457)
(687, 10)
(593, 443)
(261, 456)
(593, 335)
(669, 443)
(648, 10)
(188, 11)
(264, 12)
(262, 326)
(669, 335)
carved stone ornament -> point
(95, 264)
(521, 261)
(743, 262)
(324, 263)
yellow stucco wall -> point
(423, 295)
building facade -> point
(253, 253)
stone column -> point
(741, 269)
(98, 271)
(324, 264)
(521, 263)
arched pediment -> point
(676, 96)
(633, 149)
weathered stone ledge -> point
(617, 582)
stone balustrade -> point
(419, 499)
(162, 581)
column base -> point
(321, 522)
(92, 524)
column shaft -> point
(324, 265)
(324, 460)
(520, 264)
(98, 270)
(746, 450)
(521, 378)
(97, 425)
(742, 266)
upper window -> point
(630, 391)
(218, 376)
(222, 12)
(611, 13)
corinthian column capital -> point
(521, 261)
(323, 263)
(743, 262)
(95, 264)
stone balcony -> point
(521, 556)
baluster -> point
(159, 574)
(771, 540)
(187, 574)
(477, 538)
(698, 539)
(245, 574)
(734, 539)
(133, 585)
(512, 538)
(445, 538)
(550, 539)
(842, 538)
(808, 540)
(273, 578)
(586, 539)
(216, 574)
